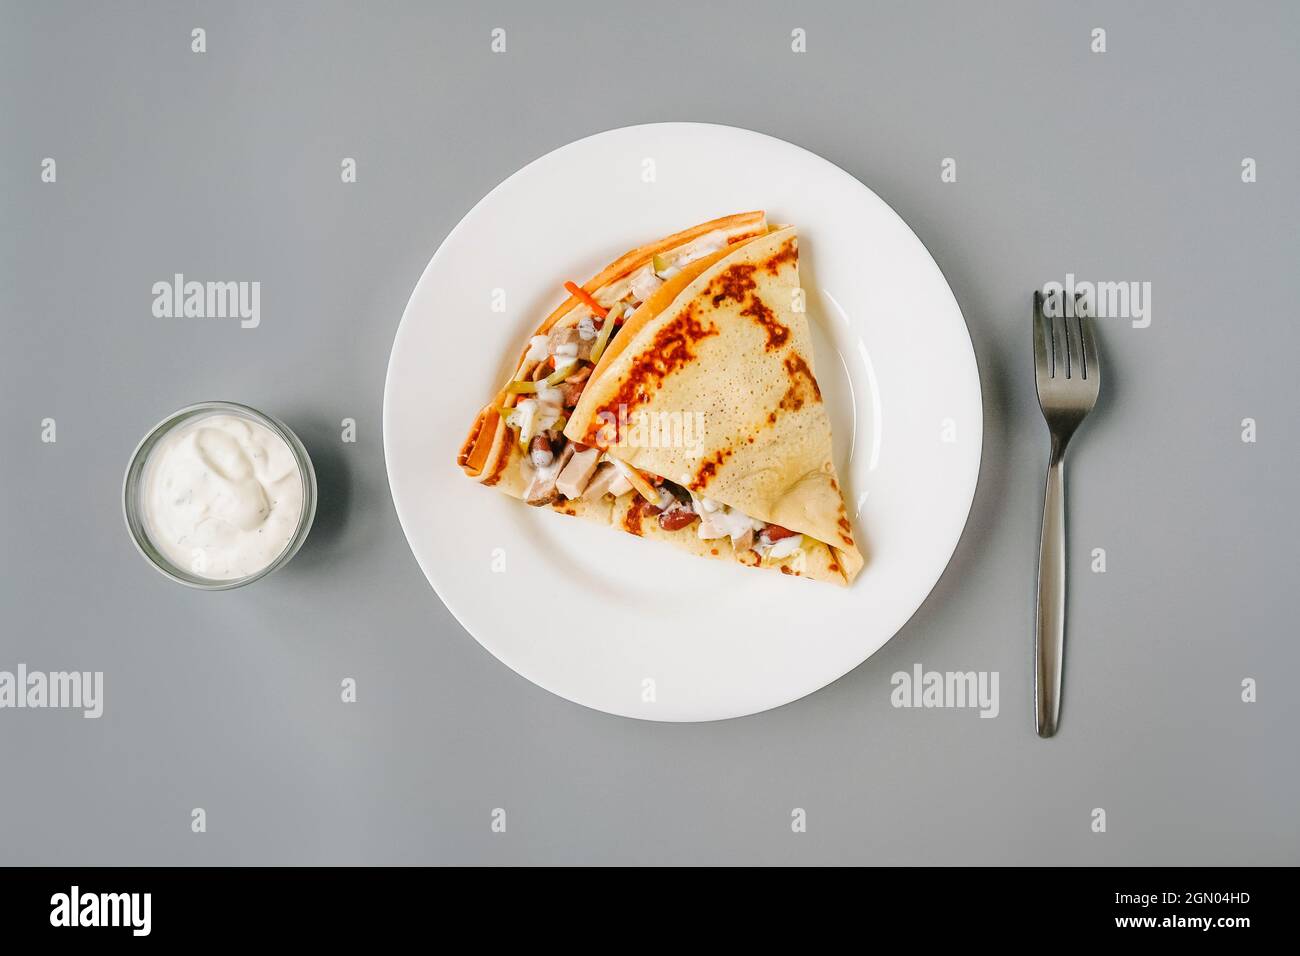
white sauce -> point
(523, 415)
(537, 348)
(724, 522)
(550, 405)
(222, 496)
(645, 283)
(706, 245)
(785, 547)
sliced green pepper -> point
(606, 330)
(560, 374)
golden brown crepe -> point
(733, 346)
(716, 366)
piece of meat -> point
(573, 479)
(565, 338)
(541, 489)
(570, 392)
(562, 335)
(602, 481)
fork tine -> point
(1042, 361)
(1091, 364)
(1074, 339)
(1059, 368)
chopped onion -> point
(786, 546)
(724, 522)
(645, 284)
(704, 246)
(524, 417)
(550, 406)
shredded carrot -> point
(579, 292)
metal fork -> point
(1069, 376)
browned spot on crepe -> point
(777, 334)
(789, 252)
(737, 284)
(635, 512)
(801, 378)
(709, 469)
(733, 283)
(670, 349)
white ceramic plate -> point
(635, 627)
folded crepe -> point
(674, 397)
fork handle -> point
(1049, 624)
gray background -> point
(1122, 166)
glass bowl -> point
(133, 487)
